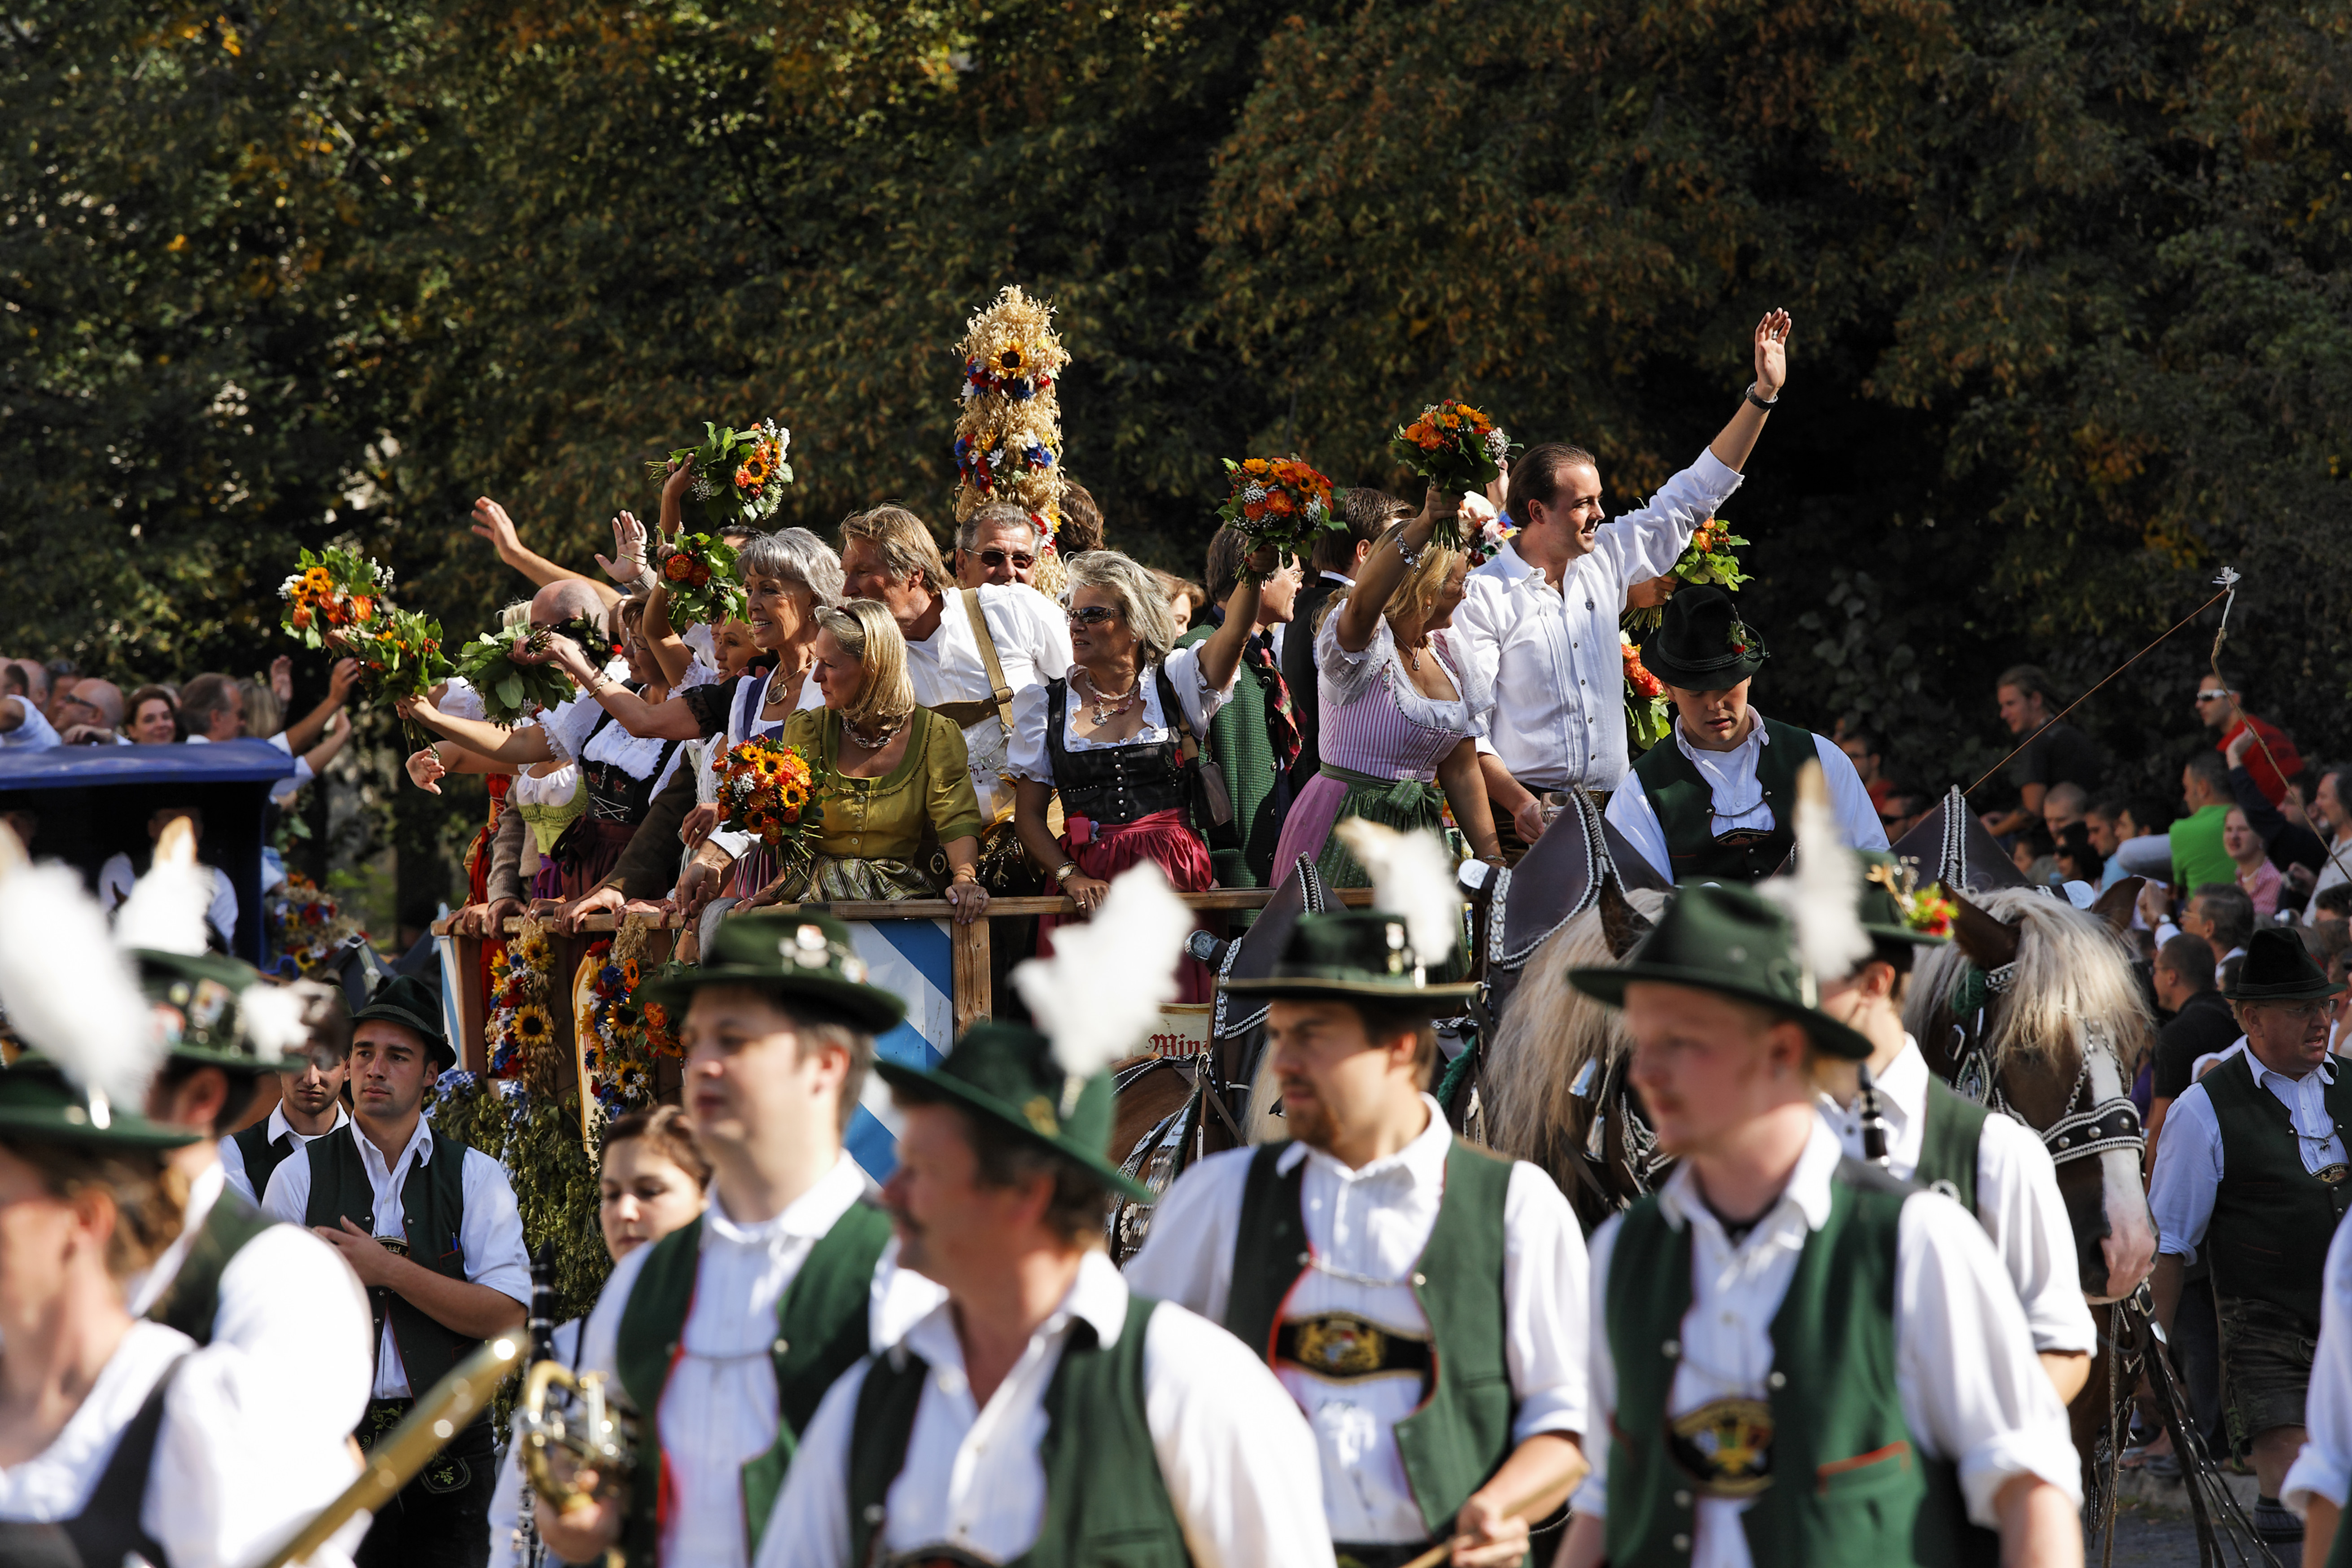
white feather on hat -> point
(165, 910)
(1099, 997)
(1822, 898)
(270, 1018)
(1413, 879)
(68, 990)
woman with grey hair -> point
(1118, 739)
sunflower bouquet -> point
(401, 652)
(1648, 713)
(333, 595)
(739, 475)
(697, 571)
(765, 789)
(1279, 502)
(1008, 441)
(510, 689)
(1708, 558)
(1456, 447)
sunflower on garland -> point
(519, 1022)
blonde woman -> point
(1399, 706)
(889, 774)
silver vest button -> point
(1671, 1349)
(780, 1347)
(1682, 1543)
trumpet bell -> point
(582, 1449)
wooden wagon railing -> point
(971, 946)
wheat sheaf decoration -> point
(1008, 445)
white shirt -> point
(115, 879)
(232, 1158)
(718, 1408)
(1027, 758)
(1971, 1391)
(34, 732)
(289, 1328)
(2323, 1468)
(1374, 1223)
(227, 1482)
(1032, 646)
(569, 729)
(1559, 676)
(1236, 1457)
(1738, 796)
(489, 1232)
(2017, 1199)
(2188, 1157)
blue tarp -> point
(93, 802)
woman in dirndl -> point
(1402, 705)
(892, 778)
(1118, 739)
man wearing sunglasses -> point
(2271, 760)
(996, 544)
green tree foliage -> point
(2068, 279)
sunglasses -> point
(2214, 696)
(1092, 616)
(992, 559)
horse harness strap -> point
(2085, 1130)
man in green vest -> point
(1993, 1167)
(1421, 1300)
(2253, 1166)
(1044, 1414)
(310, 1095)
(1716, 800)
(431, 1228)
(1799, 1359)
(726, 1333)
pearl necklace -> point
(1108, 708)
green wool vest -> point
(1947, 1145)
(1686, 807)
(821, 1332)
(432, 1205)
(1461, 1434)
(1849, 1488)
(262, 1157)
(2271, 1217)
(191, 1300)
(1106, 1502)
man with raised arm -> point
(1543, 613)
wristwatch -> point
(1767, 404)
(1064, 871)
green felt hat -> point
(1892, 907)
(413, 1005)
(803, 954)
(38, 1103)
(1701, 644)
(1360, 953)
(2278, 968)
(200, 1005)
(1007, 1072)
(1734, 943)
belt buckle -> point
(1725, 1446)
(1742, 838)
(1341, 1344)
(2334, 1174)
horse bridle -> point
(2082, 1133)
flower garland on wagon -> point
(306, 925)
(617, 1041)
(519, 1034)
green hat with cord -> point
(1735, 943)
(1701, 644)
(802, 955)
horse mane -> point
(1549, 1030)
(2070, 967)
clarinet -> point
(529, 1551)
(1873, 1122)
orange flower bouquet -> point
(1279, 502)
(699, 573)
(1456, 447)
(1648, 713)
(335, 595)
(401, 652)
(766, 789)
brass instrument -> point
(556, 1447)
(410, 1447)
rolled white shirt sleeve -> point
(1024, 751)
(490, 1231)
(2188, 1173)
(1970, 1384)
(1237, 1458)
(1646, 543)
(1630, 813)
(288, 1196)
(2323, 1468)
(1592, 1495)
(810, 1528)
(1547, 1297)
(1200, 702)
(2018, 1204)
(204, 1504)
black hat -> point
(796, 954)
(1734, 943)
(1701, 644)
(410, 1002)
(2278, 968)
